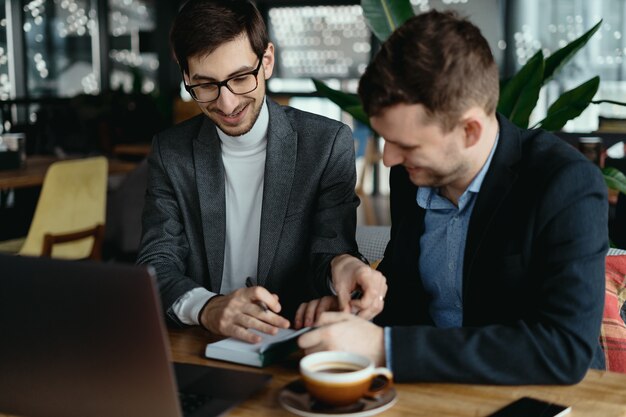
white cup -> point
(342, 378)
(14, 142)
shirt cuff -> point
(389, 364)
(188, 305)
(329, 282)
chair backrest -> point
(372, 241)
(96, 232)
(613, 329)
(124, 210)
(72, 199)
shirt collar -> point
(477, 182)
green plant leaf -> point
(503, 83)
(340, 98)
(520, 94)
(359, 114)
(570, 105)
(614, 179)
(384, 16)
(350, 103)
(561, 57)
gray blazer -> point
(308, 214)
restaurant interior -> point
(82, 78)
(92, 82)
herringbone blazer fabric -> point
(308, 214)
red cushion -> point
(613, 332)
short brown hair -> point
(201, 26)
(436, 59)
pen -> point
(260, 303)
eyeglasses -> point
(238, 84)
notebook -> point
(87, 339)
(268, 350)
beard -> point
(253, 109)
(440, 176)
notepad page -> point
(283, 334)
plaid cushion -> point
(613, 332)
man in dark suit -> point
(250, 208)
(496, 261)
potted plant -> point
(518, 94)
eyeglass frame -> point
(224, 83)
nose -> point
(391, 155)
(227, 102)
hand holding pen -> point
(243, 310)
(250, 284)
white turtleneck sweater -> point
(244, 168)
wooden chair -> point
(70, 214)
(97, 233)
(371, 158)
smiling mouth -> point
(233, 114)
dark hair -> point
(201, 26)
(436, 59)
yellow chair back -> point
(73, 198)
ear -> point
(268, 60)
(473, 128)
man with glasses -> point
(250, 208)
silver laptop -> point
(87, 339)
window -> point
(325, 42)
(550, 25)
(5, 85)
(133, 65)
(58, 44)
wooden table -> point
(132, 149)
(600, 394)
(33, 173)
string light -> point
(562, 33)
(129, 18)
(320, 41)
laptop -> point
(88, 339)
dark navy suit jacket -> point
(533, 275)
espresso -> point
(337, 370)
(336, 367)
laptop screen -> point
(88, 339)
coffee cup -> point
(13, 149)
(592, 148)
(341, 378)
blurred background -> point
(96, 77)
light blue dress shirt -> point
(442, 250)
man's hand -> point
(311, 311)
(233, 314)
(343, 331)
(349, 274)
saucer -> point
(295, 398)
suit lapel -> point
(280, 163)
(414, 231)
(209, 170)
(494, 190)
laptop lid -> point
(87, 339)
